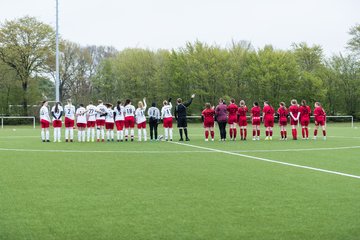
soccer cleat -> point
(103, 140)
(187, 139)
(47, 140)
(267, 138)
(258, 138)
(71, 140)
(324, 138)
(314, 138)
(43, 140)
(181, 140)
(206, 140)
(66, 140)
(212, 139)
(254, 138)
(132, 139)
(98, 140)
(270, 138)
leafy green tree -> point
(27, 46)
(354, 43)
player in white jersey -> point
(100, 121)
(57, 112)
(141, 119)
(167, 119)
(81, 122)
(129, 119)
(91, 120)
(119, 112)
(69, 111)
(109, 122)
(45, 122)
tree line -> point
(27, 65)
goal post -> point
(17, 117)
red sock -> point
(270, 133)
(307, 132)
(206, 134)
(231, 133)
(282, 134)
(212, 134)
(315, 132)
(241, 133)
(245, 133)
(258, 133)
(303, 132)
(285, 134)
(267, 133)
(295, 133)
(324, 133)
(254, 132)
(234, 132)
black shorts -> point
(181, 123)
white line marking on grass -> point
(269, 160)
(96, 151)
(295, 149)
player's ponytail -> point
(57, 107)
(303, 102)
(127, 102)
(118, 105)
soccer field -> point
(301, 189)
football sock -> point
(234, 132)
(171, 133)
(118, 135)
(59, 134)
(267, 133)
(324, 133)
(295, 133)
(166, 133)
(88, 134)
(102, 133)
(241, 133)
(271, 133)
(144, 133)
(55, 134)
(47, 134)
(212, 134)
(231, 133)
(285, 134)
(282, 134)
(186, 133)
(245, 133)
(181, 133)
(206, 134)
(307, 132)
(258, 133)
(126, 133)
(112, 134)
(303, 132)
(254, 132)
(139, 134)
(43, 134)
(121, 134)
(132, 133)
(315, 132)
(67, 133)
(71, 133)
(83, 135)
(79, 136)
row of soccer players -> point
(233, 115)
(104, 117)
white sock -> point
(88, 134)
(112, 134)
(102, 133)
(121, 134)
(144, 132)
(43, 134)
(79, 136)
(71, 133)
(83, 135)
(47, 134)
(171, 133)
(139, 134)
(92, 134)
(55, 134)
(132, 132)
(107, 134)
(97, 133)
(66, 133)
(118, 135)
(59, 134)
(126, 132)
(166, 133)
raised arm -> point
(186, 104)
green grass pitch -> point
(161, 190)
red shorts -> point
(81, 125)
(69, 123)
(141, 125)
(283, 122)
(256, 121)
(320, 122)
(91, 124)
(242, 121)
(209, 124)
(57, 123)
(232, 119)
(293, 122)
(119, 125)
(109, 126)
(129, 122)
(269, 122)
(44, 123)
(100, 122)
(168, 122)
(304, 122)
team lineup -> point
(123, 116)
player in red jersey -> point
(255, 119)
(320, 119)
(294, 117)
(283, 113)
(232, 109)
(208, 115)
(305, 112)
(268, 118)
(242, 119)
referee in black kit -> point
(180, 116)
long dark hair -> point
(118, 105)
(127, 101)
(57, 107)
(303, 102)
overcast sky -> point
(170, 24)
